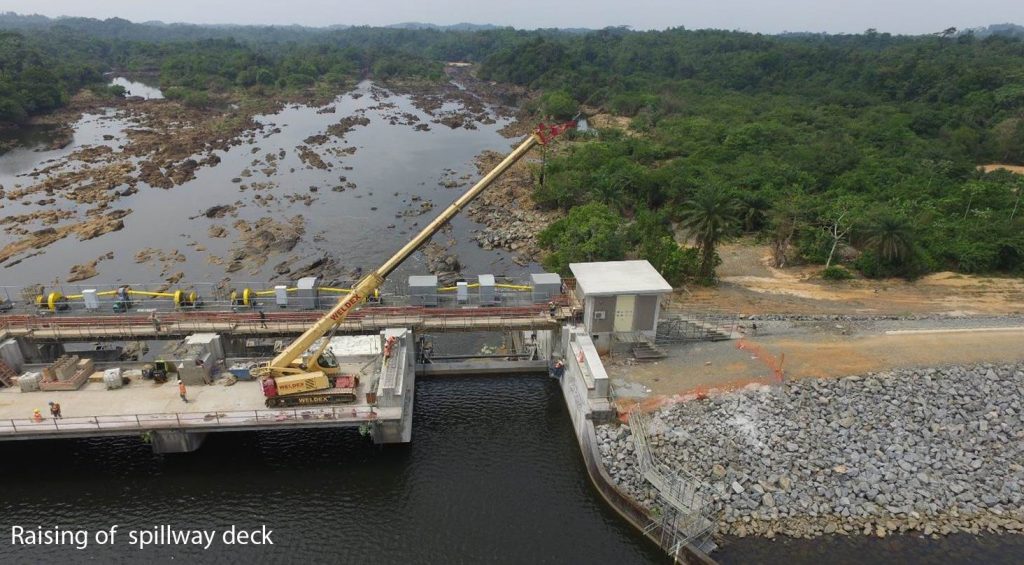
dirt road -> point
(750, 286)
(704, 366)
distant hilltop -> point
(454, 27)
(121, 28)
(1007, 30)
(126, 29)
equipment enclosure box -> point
(306, 294)
(423, 290)
(487, 294)
(545, 286)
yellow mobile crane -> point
(290, 380)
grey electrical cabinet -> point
(545, 286)
(306, 294)
(423, 290)
(487, 294)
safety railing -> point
(688, 514)
(227, 309)
(177, 323)
(678, 325)
(189, 420)
(161, 297)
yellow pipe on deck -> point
(151, 293)
(448, 288)
(272, 291)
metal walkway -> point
(478, 368)
(133, 326)
(688, 514)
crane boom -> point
(284, 362)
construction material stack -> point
(66, 373)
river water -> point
(392, 164)
(493, 475)
(138, 88)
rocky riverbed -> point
(148, 168)
(510, 219)
(935, 451)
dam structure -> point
(53, 350)
(80, 349)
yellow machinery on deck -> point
(288, 379)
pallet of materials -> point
(67, 373)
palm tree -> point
(610, 193)
(709, 217)
(892, 237)
(753, 210)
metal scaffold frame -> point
(681, 326)
(688, 514)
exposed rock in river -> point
(88, 229)
(82, 272)
(259, 240)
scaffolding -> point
(686, 513)
(681, 326)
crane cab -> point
(327, 363)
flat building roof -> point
(609, 278)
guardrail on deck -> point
(130, 325)
(190, 420)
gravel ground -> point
(934, 450)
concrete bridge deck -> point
(60, 327)
(382, 405)
(145, 406)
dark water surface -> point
(493, 475)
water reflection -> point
(392, 168)
(136, 88)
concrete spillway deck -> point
(155, 411)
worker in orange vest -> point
(182, 391)
(37, 416)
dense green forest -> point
(853, 150)
(43, 62)
(812, 143)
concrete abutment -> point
(176, 441)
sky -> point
(765, 16)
